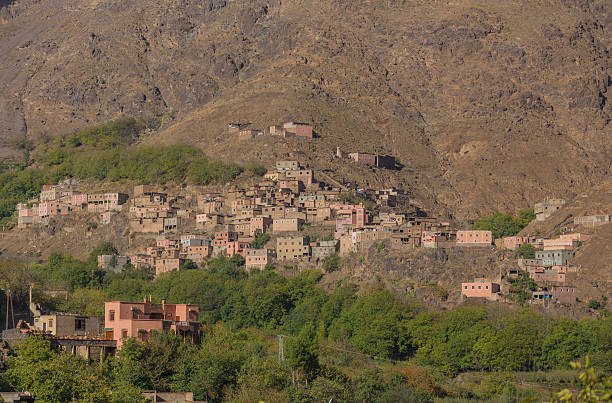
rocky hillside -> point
(487, 104)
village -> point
(290, 217)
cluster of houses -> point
(548, 269)
(306, 221)
(288, 129)
(62, 199)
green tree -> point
(302, 352)
(260, 241)
(526, 251)
(54, 376)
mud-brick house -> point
(299, 129)
(165, 265)
(564, 294)
(322, 249)
(280, 225)
(292, 248)
(259, 258)
(547, 208)
(69, 325)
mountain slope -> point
(487, 104)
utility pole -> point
(281, 351)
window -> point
(50, 322)
(465, 287)
(479, 287)
(111, 315)
(124, 333)
(79, 324)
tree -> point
(54, 376)
(302, 352)
(596, 387)
(526, 251)
(502, 225)
(331, 263)
(260, 241)
(594, 304)
(188, 264)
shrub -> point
(526, 251)
(594, 304)
(502, 225)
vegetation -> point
(595, 387)
(260, 241)
(522, 287)
(502, 225)
(526, 251)
(108, 152)
(350, 344)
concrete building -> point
(292, 248)
(547, 208)
(237, 248)
(480, 288)
(137, 319)
(474, 238)
(592, 220)
(560, 257)
(322, 249)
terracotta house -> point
(259, 258)
(480, 288)
(564, 294)
(474, 238)
(138, 319)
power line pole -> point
(281, 351)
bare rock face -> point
(487, 104)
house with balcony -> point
(123, 320)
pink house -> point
(258, 258)
(474, 237)
(79, 199)
(48, 209)
(237, 248)
(513, 242)
(138, 319)
(350, 216)
(479, 289)
(299, 129)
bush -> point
(331, 263)
(502, 225)
(260, 241)
(594, 304)
(526, 251)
